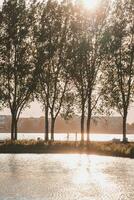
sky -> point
(35, 109)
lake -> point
(65, 177)
(64, 137)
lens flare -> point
(91, 4)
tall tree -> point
(77, 56)
(94, 58)
(119, 63)
(86, 57)
(51, 43)
(40, 39)
(16, 70)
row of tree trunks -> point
(14, 127)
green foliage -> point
(118, 65)
(51, 41)
(16, 54)
(67, 111)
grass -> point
(100, 148)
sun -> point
(90, 4)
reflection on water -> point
(65, 177)
(71, 137)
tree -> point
(16, 68)
(119, 64)
(51, 44)
(67, 110)
(77, 57)
(94, 59)
(86, 58)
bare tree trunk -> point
(16, 128)
(124, 127)
(88, 127)
(52, 128)
(89, 119)
(46, 124)
(82, 122)
(12, 128)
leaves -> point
(16, 67)
(118, 65)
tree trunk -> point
(46, 124)
(82, 123)
(16, 128)
(52, 128)
(13, 127)
(89, 119)
(124, 127)
(88, 127)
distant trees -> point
(16, 69)
(119, 63)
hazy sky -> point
(36, 110)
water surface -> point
(70, 137)
(65, 177)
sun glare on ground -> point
(90, 4)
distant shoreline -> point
(41, 147)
